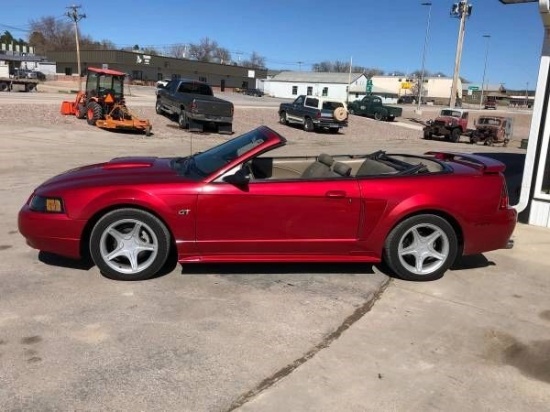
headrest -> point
(342, 169)
(325, 159)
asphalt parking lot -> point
(257, 337)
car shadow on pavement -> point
(472, 262)
(276, 268)
(56, 260)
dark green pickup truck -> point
(372, 106)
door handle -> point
(335, 194)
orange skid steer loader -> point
(103, 104)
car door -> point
(292, 217)
(295, 110)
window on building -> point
(137, 75)
(294, 90)
(68, 71)
(325, 91)
(202, 79)
(309, 90)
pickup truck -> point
(451, 124)
(194, 105)
(314, 113)
(372, 106)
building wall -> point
(150, 68)
(285, 89)
(437, 89)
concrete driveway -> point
(257, 337)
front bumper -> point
(49, 232)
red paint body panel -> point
(309, 220)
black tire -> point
(489, 141)
(158, 107)
(428, 135)
(3, 86)
(94, 112)
(308, 125)
(391, 118)
(455, 135)
(351, 111)
(334, 130)
(182, 120)
(144, 243)
(378, 116)
(81, 111)
(282, 118)
(421, 248)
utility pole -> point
(76, 17)
(421, 83)
(488, 37)
(459, 10)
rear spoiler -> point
(486, 164)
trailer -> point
(7, 81)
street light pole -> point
(460, 10)
(488, 37)
(421, 85)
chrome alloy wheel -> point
(128, 246)
(423, 249)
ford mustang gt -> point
(237, 202)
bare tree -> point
(178, 50)
(223, 55)
(256, 61)
(204, 51)
(57, 34)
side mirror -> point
(239, 178)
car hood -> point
(118, 171)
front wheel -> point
(182, 120)
(129, 244)
(421, 248)
(158, 107)
(351, 110)
(94, 112)
(455, 135)
(282, 118)
(378, 116)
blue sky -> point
(385, 34)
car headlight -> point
(46, 204)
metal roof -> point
(315, 77)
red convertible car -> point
(236, 203)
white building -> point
(346, 86)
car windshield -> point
(453, 113)
(205, 163)
(489, 121)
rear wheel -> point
(94, 112)
(421, 248)
(428, 135)
(351, 111)
(455, 135)
(129, 244)
(334, 130)
(308, 125)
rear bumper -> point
(199, 117)
(492, 233)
